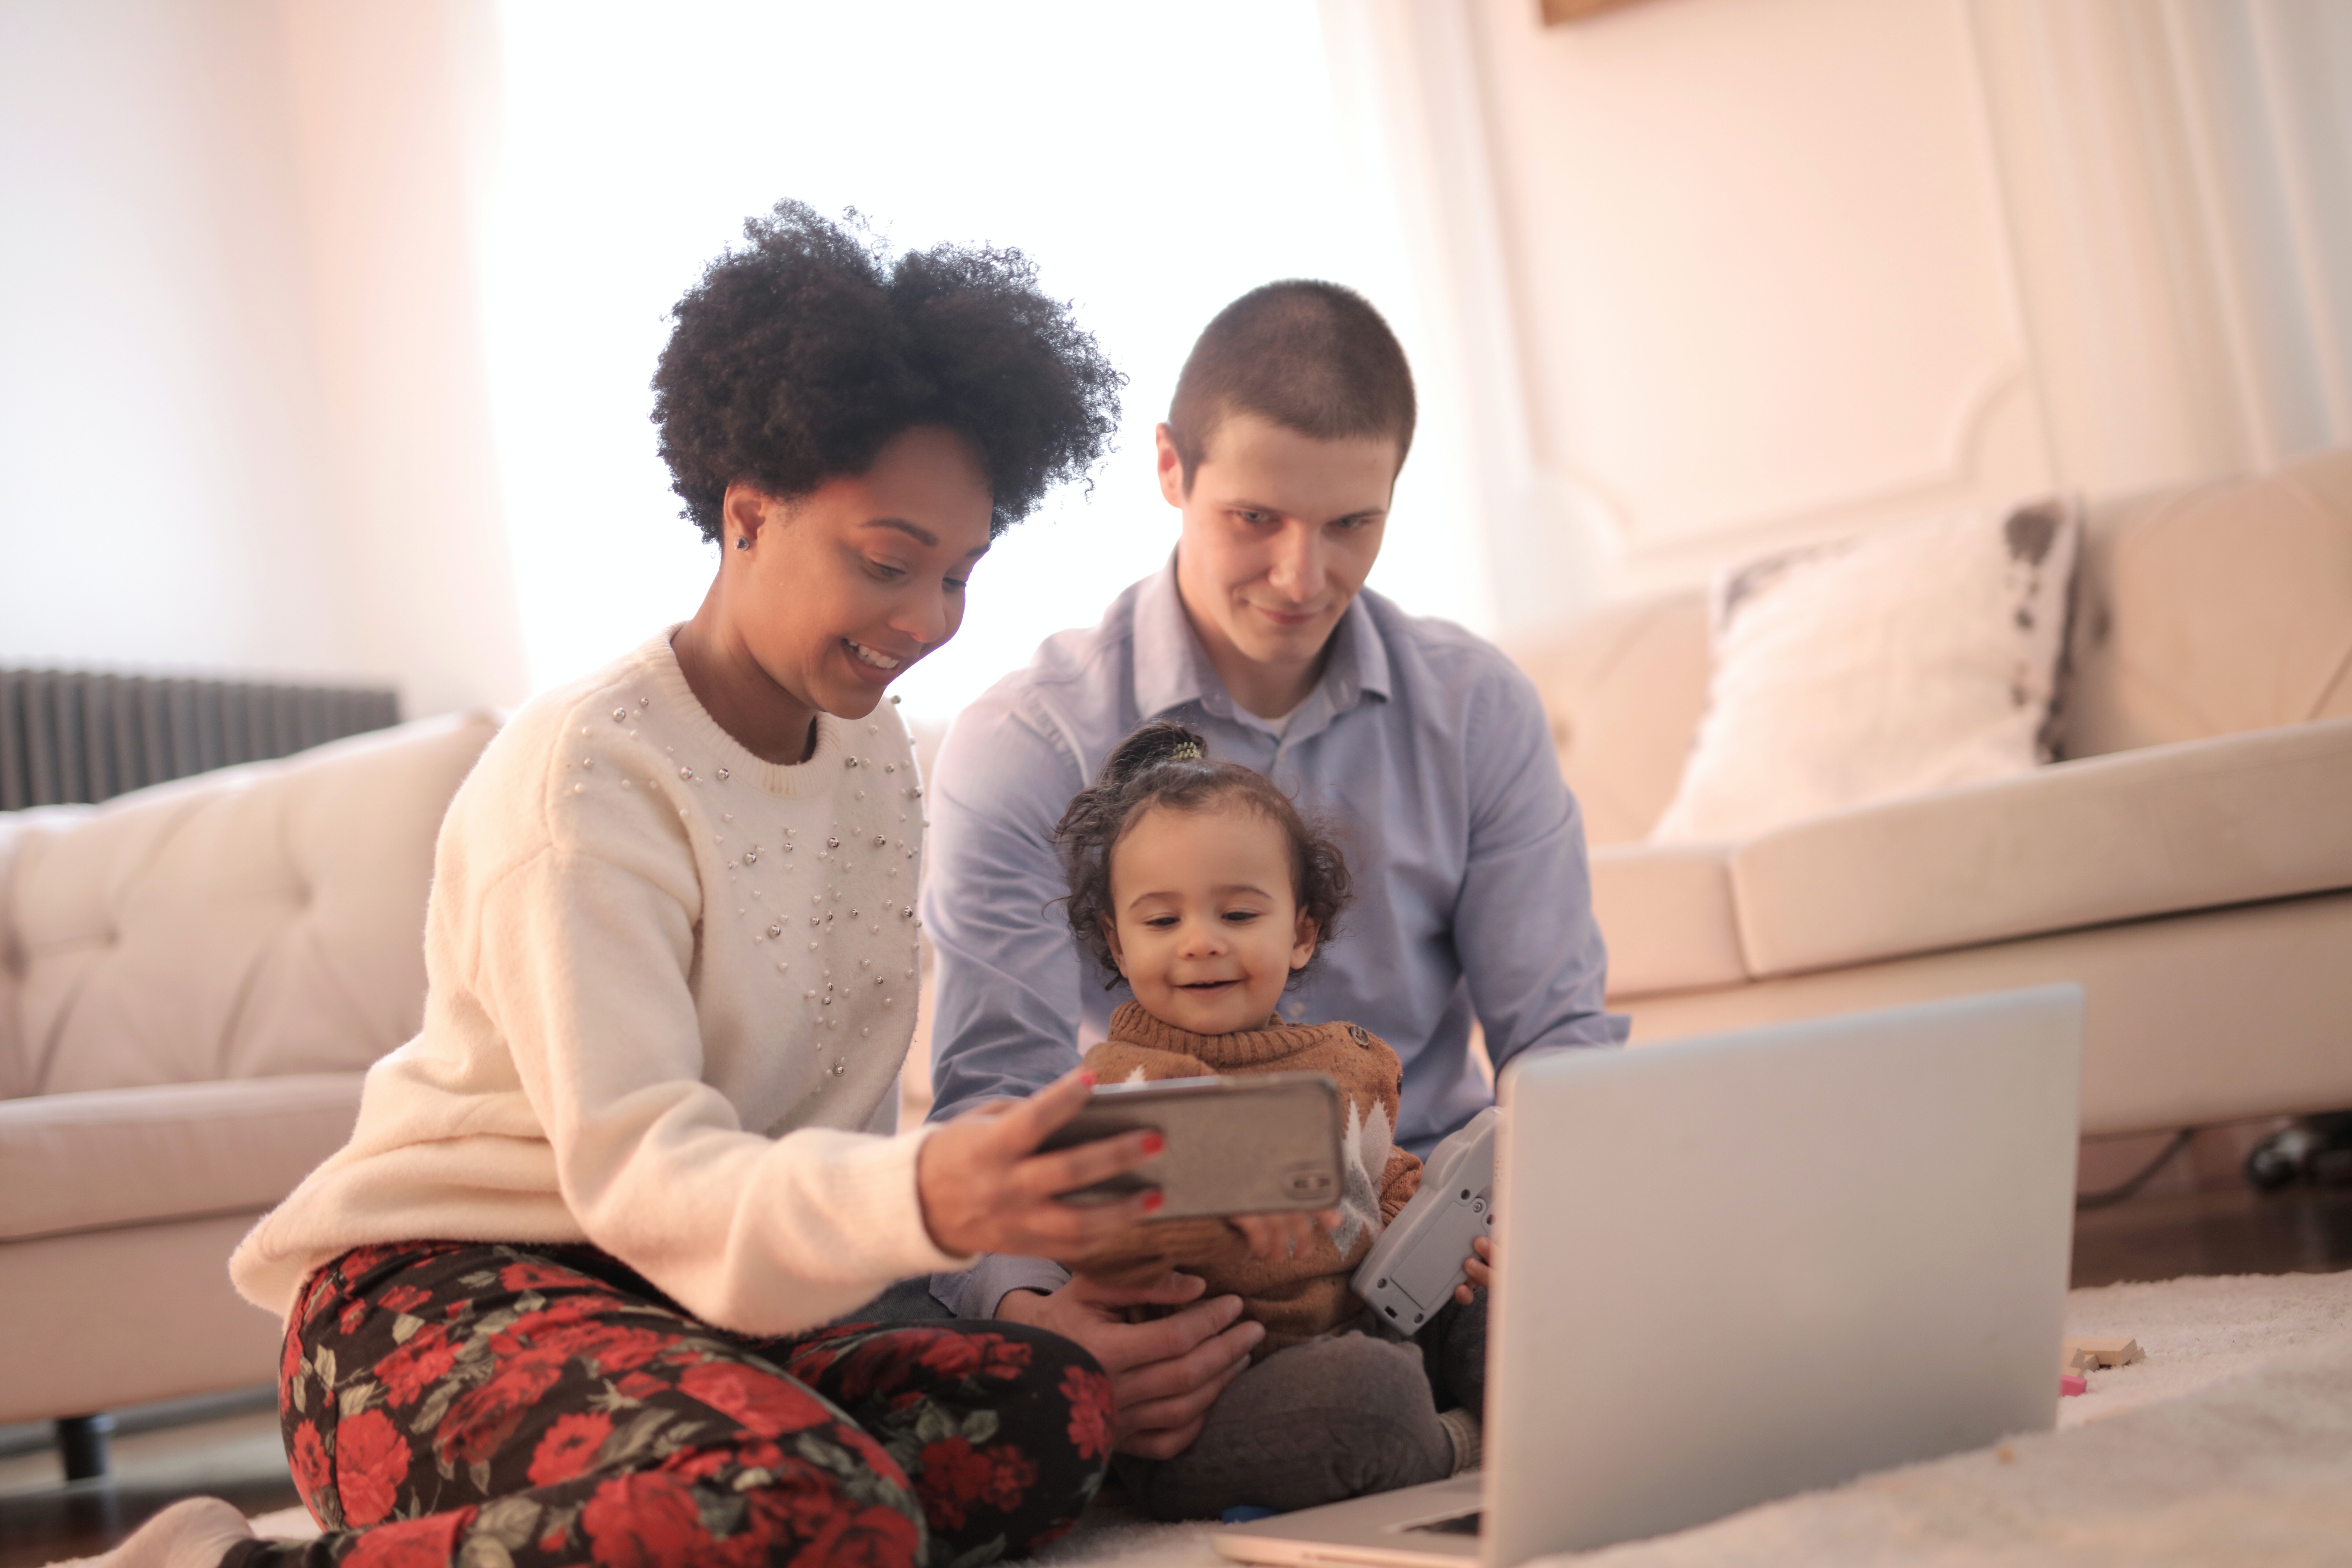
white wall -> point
(1730, 275)
(243, 416)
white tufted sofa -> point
(194, 979)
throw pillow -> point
(1902, 661)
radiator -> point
(67, 736)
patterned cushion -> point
(1905, 660)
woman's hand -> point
(985, 1188)
(1479, 1266)
(1283, 1235)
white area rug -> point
(2230, 1443)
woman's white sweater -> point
(670, 988)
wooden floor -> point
(234, 1453)
(230, 1448)
(2217, 1230)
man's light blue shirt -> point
(1422, 742)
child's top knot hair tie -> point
(1154, 745)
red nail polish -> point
(1153, 1143)
(1085, 1077)
(1151, 1202)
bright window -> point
(1154, 160)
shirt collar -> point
(1171, 668)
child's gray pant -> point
(1335, 1417)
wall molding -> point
(1969, 475)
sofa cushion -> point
(2142, 833)
(1665, 910)
(131, 1156)
(1623, 687)
(256, 921)
(2214, 610)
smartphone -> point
(1236, 1145)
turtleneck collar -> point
(1242, 1049)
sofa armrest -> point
(1666, 911)
(2126, 837)
(136, 1156)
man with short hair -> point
(1290, 422)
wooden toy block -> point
(2107, 1352)
(2076, 1359)
(2069, 1385)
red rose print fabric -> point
(536, 1406)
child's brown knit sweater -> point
(1296, 1298)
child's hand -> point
(1479, 1266)
(1283, 1235)
(985, 1188)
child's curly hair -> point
(1166, 764)
(802, 354)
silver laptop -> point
(1734, 1268)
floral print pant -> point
(485, 1405)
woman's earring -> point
(742, 541)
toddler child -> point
(1204, 887)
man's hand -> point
(985, 1188)
(1479, 1266)
(1165, 1374)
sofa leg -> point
(82, 1443)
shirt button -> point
(1356, 1033)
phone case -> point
(1254, 1144)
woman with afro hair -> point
(565, 1295)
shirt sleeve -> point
(1007, 976)
(977, 1291)
(1524, 925)
(1399, 1183)
(583, 965)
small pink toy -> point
(2069, 1384)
